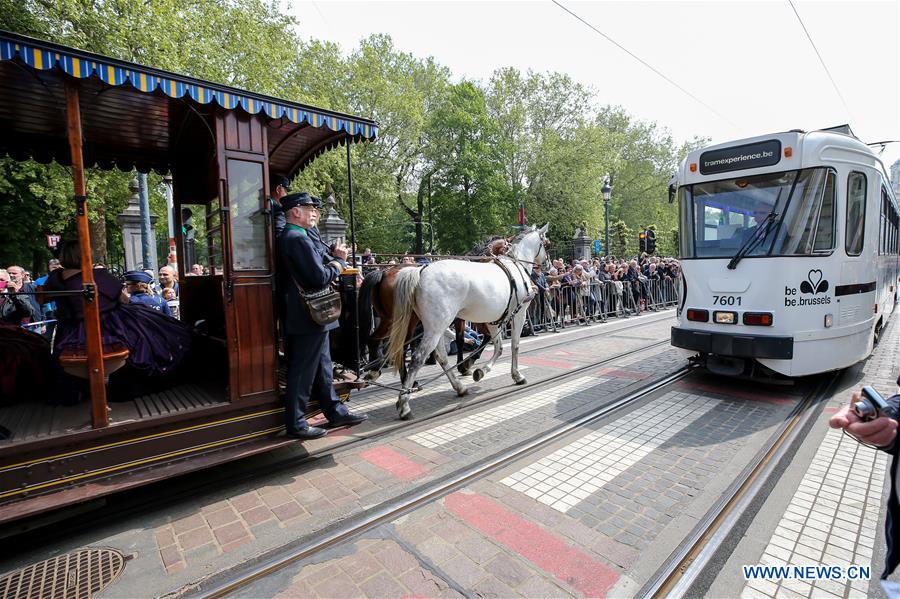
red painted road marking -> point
(393, 462)
(735, 393)
(542, 548)
(623, 374)
(536, 361)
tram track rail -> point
(685, 566)
(222, 585)
(85, 519)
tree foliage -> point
(454, 159)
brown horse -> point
(376, 302)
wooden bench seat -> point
(74, 360)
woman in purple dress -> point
(157, 343)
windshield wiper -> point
(761, 232)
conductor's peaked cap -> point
(299, 199)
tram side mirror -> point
(671, 193)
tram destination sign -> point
(736, 158)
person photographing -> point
(873, 421)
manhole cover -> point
(79, 574)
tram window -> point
(856, 213)
(195, 236)
(824, 240)
(808, 220)
(214, 237)
(246, 199)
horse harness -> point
(510, 312)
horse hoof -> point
(372, 375)
(407, 415)
(462, 392)
(478, 375)
(461, 369)
(522, 381)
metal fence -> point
(563, 305)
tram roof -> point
(131, 114)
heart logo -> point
(814, 277)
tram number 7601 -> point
(727, 300)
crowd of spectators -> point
(582, 290)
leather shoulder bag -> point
(324, 306)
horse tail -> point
(404, 296)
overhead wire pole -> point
(821, 60)
(648, 65)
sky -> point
(744, 68)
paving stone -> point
(185, 524)
(288, 511)
(298, 588)
(361, 565)
(221, 517)
(336, 586)
(164, 536)
(247, 501)
(394, 558)
(230, 533)
(276, 497)
(257, 515)
(493, 588)
(195, 538)
(422, 583)
(437, 550)
(478, 548)
(464, 571)
(171, 558)
(510, 571)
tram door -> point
(248, 275)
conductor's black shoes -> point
(348, 419)
(310, 432)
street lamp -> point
(606, 191)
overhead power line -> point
(648, 65)
(821, 60)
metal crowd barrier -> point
(567, 305)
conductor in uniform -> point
(308, 265)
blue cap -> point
(138, 276)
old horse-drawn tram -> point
(219, 144)
(790, 248)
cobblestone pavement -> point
(572, 520)
(592, 514)
(829, 509)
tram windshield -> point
(719, 218)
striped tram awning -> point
(131, 113)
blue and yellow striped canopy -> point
(78, 64)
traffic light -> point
(642, 241)
(651, 241)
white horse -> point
(480, 292)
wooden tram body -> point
(219, 144)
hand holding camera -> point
(868, 417)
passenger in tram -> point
(137, 286)
(26, 367)
(305, 265)
(157, 343)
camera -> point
(872, 406)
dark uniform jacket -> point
(151, 301)
(306, 262)
(892, 523)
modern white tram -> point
(789, 247)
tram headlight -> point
(725, 317)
